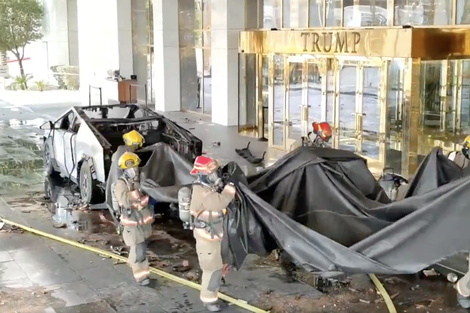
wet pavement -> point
(21, 164)
(37, 275)
(67, 279)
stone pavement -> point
(64, 279)
(30, 264)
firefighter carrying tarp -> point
(136, 217)
(202, 209)
(133, 140)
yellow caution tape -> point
(388, 301)
(240, 303)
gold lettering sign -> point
(331, 42)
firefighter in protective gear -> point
(136, 217)
(208, 208)
(461, 158)
(323, 133)
(133, 140)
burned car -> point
(79, 144)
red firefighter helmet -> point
(204, 165)
(322, 130)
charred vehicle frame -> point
(81, 142)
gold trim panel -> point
(422, 43)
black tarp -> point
(163, 173)
(434, 171)
(326, 210)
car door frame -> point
(57, 142)
(69, 143)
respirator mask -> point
(465, 151)
(132, 173)
(214, 179)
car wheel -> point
(47, 155)
(49, 196)
(89, 190)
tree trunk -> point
(25, 83)
(19, 56)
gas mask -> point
(465, 152)
(214, 179)
(132, 173)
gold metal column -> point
(271, 72)
(287, 121)
(359, 114)
(324, 69)
(336, 68)
(444, 107)
(305, 105)
(384, 126)
(411, 117)
(260, 120)
(457, 92)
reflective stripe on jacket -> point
(208, 205)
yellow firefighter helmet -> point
(129, 160)
(466, 142)
(133, 139)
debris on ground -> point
(172, 249)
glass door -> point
(370, 117)
(316, 92)
(298, 95)
(296, 105)
(348, 107)
(277, 103)
(362, 110)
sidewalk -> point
(64, 279)
(38, 98)
(41, 275)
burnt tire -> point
(48, 161)
(90, 192)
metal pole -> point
(146, 96)
(101, 96)
(89, 95)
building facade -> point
(390, 76)
(184, 53)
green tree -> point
(20, 24)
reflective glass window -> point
(333, 12)
(272, 14)
(463, 12)
(423, 12)
(366, 13)
(295, 14)
(316, 13)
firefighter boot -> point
(145, 282)
(212, 307)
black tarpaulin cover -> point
(325, 209)
(163, 173)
